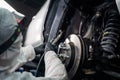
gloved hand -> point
(54, 68)
(40, 49)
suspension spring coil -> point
(111, 31)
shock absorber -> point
(109, 40)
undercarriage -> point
(86, 34)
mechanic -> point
(13, 55)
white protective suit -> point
(15, 56)
(118, 5)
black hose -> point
(41, 67)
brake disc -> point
(72, 53)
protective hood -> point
(7, 28)
(7, 25)
(14, 55)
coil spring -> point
(110, 33)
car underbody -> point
(86, 34)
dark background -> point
(27, 7)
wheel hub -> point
(72, 54)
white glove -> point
(54, 68)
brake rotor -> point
(73, 54)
